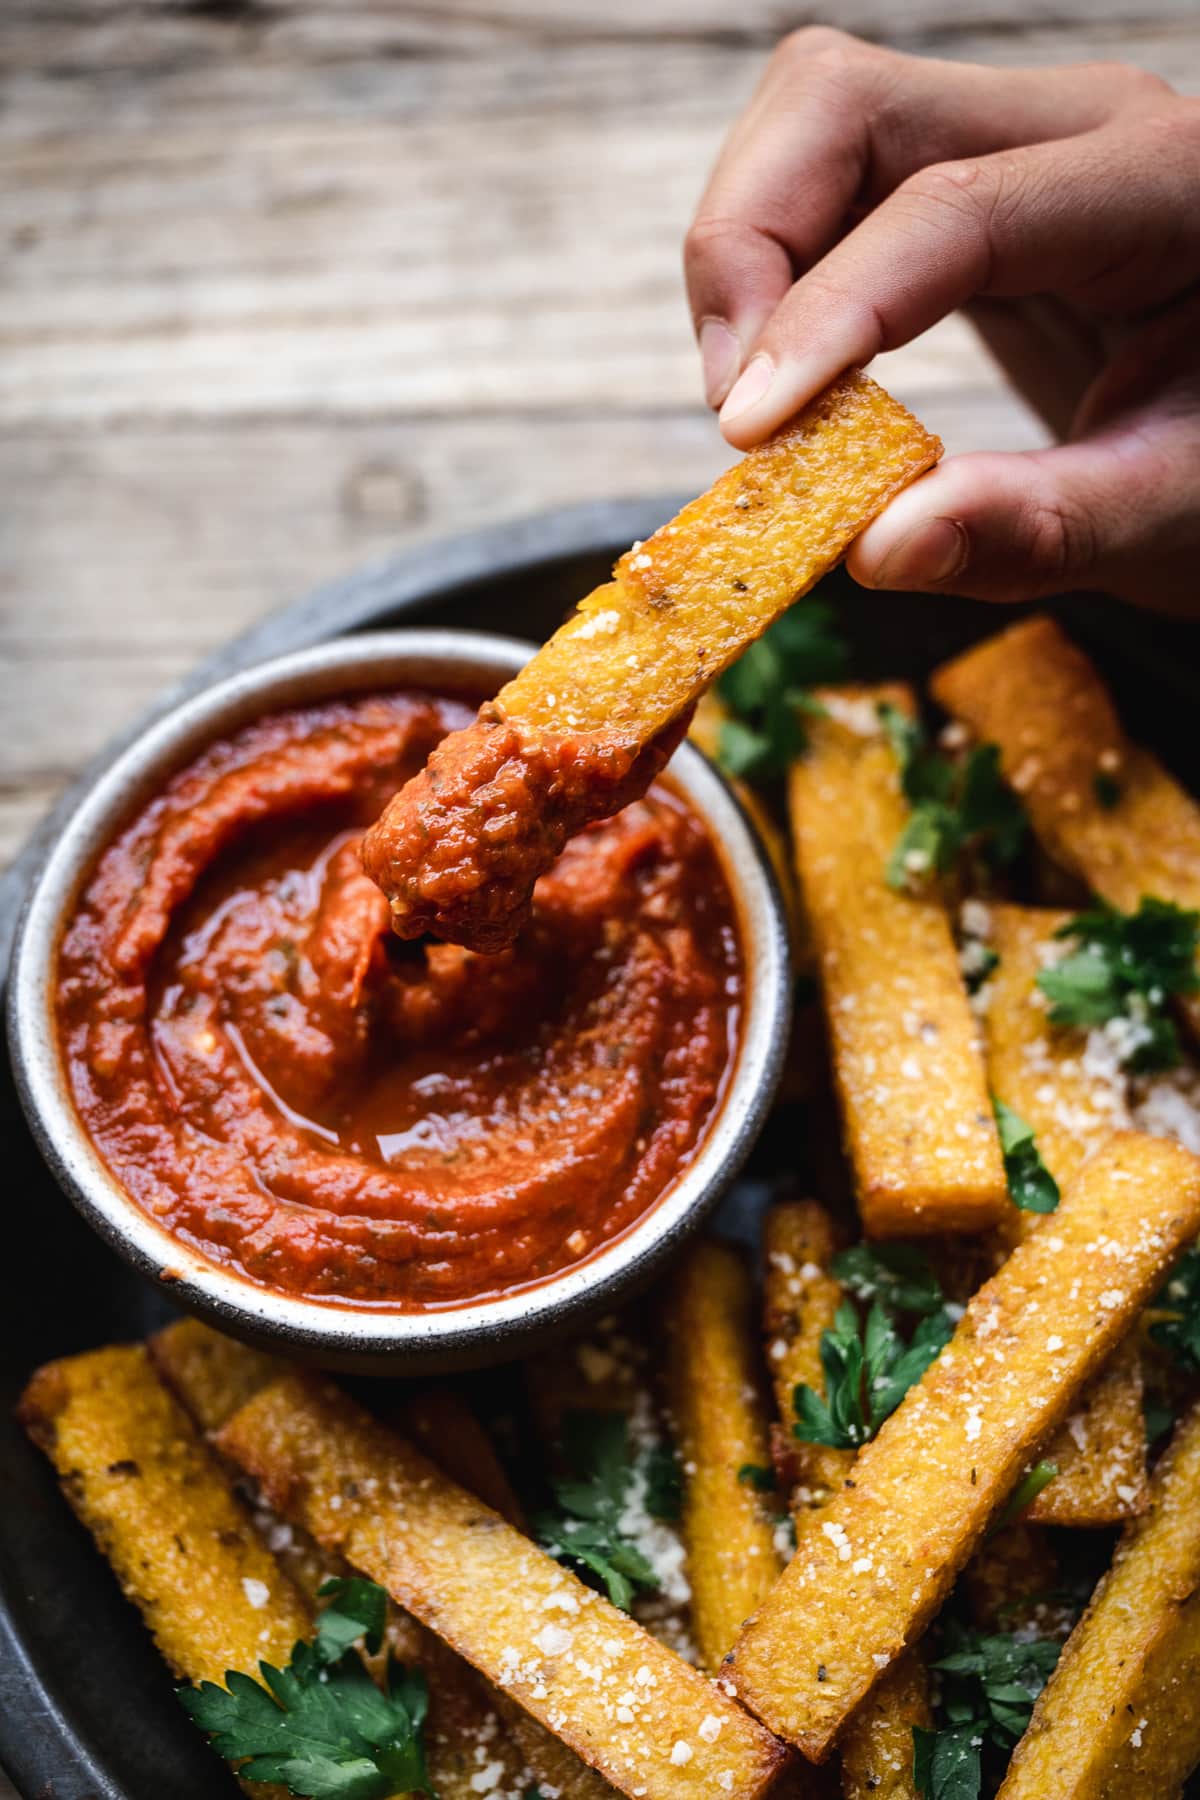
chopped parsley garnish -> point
(1179, 1300)
(1127, 966)
(868, 1370)
(988, 1689)
(1107, 790)
(757, 1476)
(1026, 1492)
(1031, 1186)
(1159, 1418)
(958, 808)
(768, 690)
(321, 1727)
(897, 1274)
(589, 1530)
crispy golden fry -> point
(1103, 807)
(721, 1427)
(685, 604)
(1100, 1452)
(161, 1508)
(626, 1704)
(212, 1374)
(885, 1552)
(800, 1300)
(1119, 1719)
(877, 1744)
(1040, 1073)
(588, 723)
(915, 1108)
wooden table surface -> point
(292, 284)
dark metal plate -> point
(86, 1706)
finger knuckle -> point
(709, 239)
(818, 43)
(1132, 83)
(1060, 539)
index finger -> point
(1106, 220)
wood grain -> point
(290, 286)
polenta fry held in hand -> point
(591, 719)
(885, 1552)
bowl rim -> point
(444, 659)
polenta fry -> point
(466, 1731)
(1072, 1107)
(139, 1475)
(1102, 806)
(885, 1552)
(915, 1110)
(624, 1702)
(1119, 1716)
(800, 1300)
(877, 1744)
(721, 1430)
(588, 722)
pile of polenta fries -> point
(889, 1451)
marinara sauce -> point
(289, 1089)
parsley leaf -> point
(757, 1476)
(321, 1727)
(868, 1370)
(989, 1686)
(1179, 1332)
(1031, 1186)
(1025, 1492)
(1127, 966)
(767, 690)
(897, 1274)
(957, 808)
(587, 1532)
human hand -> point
(864, 194)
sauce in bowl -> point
(287, 1088)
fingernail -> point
(749, 388)
(720, 359)
(932, 552)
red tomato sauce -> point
(291, 1090)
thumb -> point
(1110, 512)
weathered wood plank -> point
(291, 285)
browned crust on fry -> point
(552, 1644)
(885, 1552)
(1119, 1717)
(721, 1426)
(915, 1111)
